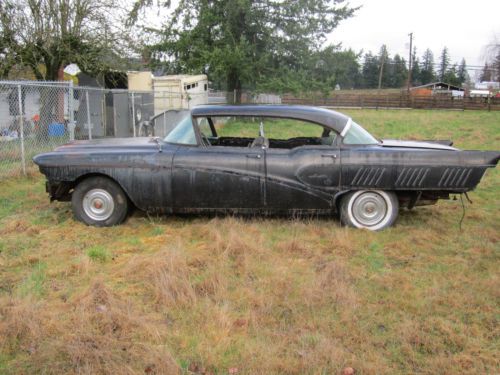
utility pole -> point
(382, 61)
(410, 62)
(383, 53)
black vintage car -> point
(259, 158)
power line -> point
(420, 64)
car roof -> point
(326, 117)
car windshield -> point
(183, 132)
(356, 135)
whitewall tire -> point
(369, 209)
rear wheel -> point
(100, 202)
(369, 209)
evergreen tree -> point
(427, 72)
(444, 62)
(370, 71)
(383, 60)
(486, 73)
(496, 67)
(399, 72)
(462, 74)
(388, 73)
(337, 67)
(415, 69)
(451, 76)
(248, 43)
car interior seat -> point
(261, 142)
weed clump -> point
(98, 253)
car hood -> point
(79, 150)
(418, 144)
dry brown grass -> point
(96, 332)
(165, 275)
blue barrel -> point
(56, 130)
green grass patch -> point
(157, 231)
(375, 258)
(98, 253)
(34, 284)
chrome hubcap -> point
(369, 209)
(98, 204)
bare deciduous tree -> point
(492, 58)
(46, 35)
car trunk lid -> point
(433, 145)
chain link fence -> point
(37, 117)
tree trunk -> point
(233, 88)
(52, 73)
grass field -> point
(257, 295)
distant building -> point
(480, 93)
(487, 85)
(437, 88)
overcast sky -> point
(464, 27)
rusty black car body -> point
(343, 169)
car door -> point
(218, 177)
(303, 177)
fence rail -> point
(398, 101)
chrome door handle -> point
(255, 156)
(329, 156)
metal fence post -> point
(88, 114)
(71, 125)
(21, 127)
(133, 115)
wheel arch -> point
(85, 176)
(400, 194)
(338, 197)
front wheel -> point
(369, 209)
(100, 202)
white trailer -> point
(171, 92)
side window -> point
(237, 127)
(291, 133)
(229, 131)
(241, 131)
(204, 126)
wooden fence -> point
(398, 101)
